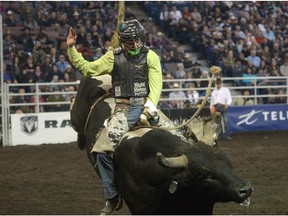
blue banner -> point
(257, 118)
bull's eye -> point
(202, 178)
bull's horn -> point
(173, 162)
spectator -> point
(196, 15)
(192, 95)
(29, 21)
(164, 17)
(33, 99)
(238, 70)
(244, 100)
(29, 45)
(38, 53)
(183, 30)
(21, 98)
(249, 77)
(203, 83)
(64, 21)
(256, 61)
(42, 35)
(39, 74)
(161, 42)
(218, 56)
(53, 20)
(280, 98)
(167, 85)
(54, 55)
(41, 17)
(76, 21)
(174, 17)
(98, 53)
(187, 15)
(9, 21)
(180, 73)
(70, 92)
(25, 35)
(55, 79)
(274, 69)
(27, 73)
(47, 69)
(7, 75)
(284, 69)
(177, 54)
(69, 74)
(269, 35)
(12, 101)
(196, 71)
(89, 41)
(150, 42)
(15, 68)
(229, 62)
(187, 62)
(56, 97)
(220, 101)
(62, 63)
(177, 97)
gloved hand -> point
(215, 70)
(149, 115)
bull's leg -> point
(106, 170)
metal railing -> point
(267, 83)
(260, 83)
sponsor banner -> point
(257, 118)
(42, 128)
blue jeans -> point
(133, 115)
(105, 162)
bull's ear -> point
(172, 162)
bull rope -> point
(92, 107)
(199, 109)
(194, 115)
(215, 70)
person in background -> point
(220, 101)
(136, 85)
(244, 99)
(177, 97)
(192, 95)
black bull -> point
(156, 172)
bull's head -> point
(207, 171)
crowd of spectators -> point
(33, 55)
(246, 39)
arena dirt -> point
(58, 179)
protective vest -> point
(130, 76)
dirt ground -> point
(58, 179)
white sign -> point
(42, 128)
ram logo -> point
(29, 124)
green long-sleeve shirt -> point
(104, 65)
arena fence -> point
(39, 107)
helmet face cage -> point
(131, 36)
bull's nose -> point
(245, 191)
